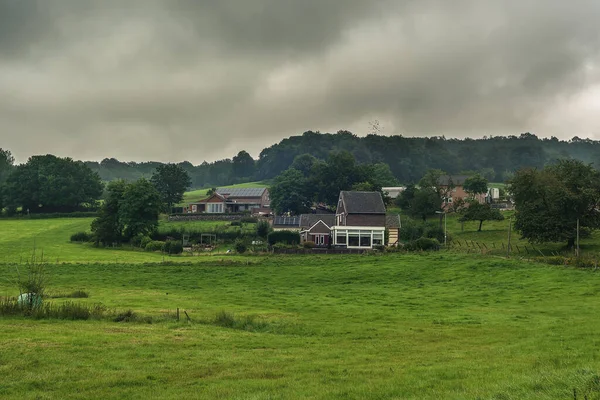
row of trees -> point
(310, 180)
(47, 183)
(495, 158)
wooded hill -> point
(409, 158)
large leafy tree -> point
(480, 212)
(476, 184)
(52, 184)
(6, 166)
(425, 202)
(171, 181)
(108, 227)
(550, 201)
(139, 208)
(244, 165)
(290, 192)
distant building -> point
(393, 191)
(232, 200)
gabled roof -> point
(392, 221)
(241, 192)
(308, 220)
(363, 202)
(457, 180)
(204, 200)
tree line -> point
(495, 158)
(50, 184)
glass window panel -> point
(365, 241)
(353, 241)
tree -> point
(243, 165)
(139, 208)
(476, 184)
(304, 163)
(405, 197)
(171, 181)
(289, 192)
(480, 212)
(550, 201)
(52, 184)
(107, 228)
(6, 166)
(425, 202)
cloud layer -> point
(201, 80)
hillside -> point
(495, 157)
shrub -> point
(140, 240)
(224, 319)
(236, 223)
(411, 230)
(424, 244)
(287, 237)
(173, 247)
(249, 220)
(246, 323)
(155, 245)
(262, 229)
(434, 231)
(308, 245)
(240, 246)
(81, 237)
(125, 316)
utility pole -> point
(509, 230)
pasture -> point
(442, 325)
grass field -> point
(199, 194)
(436, 326)
(50, 237)
(444, 325)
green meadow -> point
(442, 325)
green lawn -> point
(199, 194)
(437, 326)
(50, 238)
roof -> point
(286, 221)
(241, 192)
(456, 179)
(363, 202)
(308, 220)
(392, 221)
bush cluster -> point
(81, 237)
(155, 245)
(423, 243)
(284, 237)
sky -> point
(174, 80)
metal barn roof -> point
(241, 192)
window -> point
(194, 208)
(353, 239)
(340, 237)
(365, 239)
(214, 208)
(377, 239)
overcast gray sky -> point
(200, 80)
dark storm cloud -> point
(184, 79)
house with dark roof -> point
(360, 220)
(231, 200)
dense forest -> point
(408, 157)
